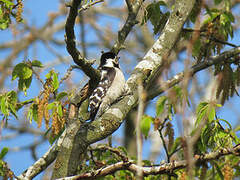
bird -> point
(110, 86)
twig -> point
(113, 150)
(222, 42)
(138, 128)
(68, 73)
(88, 5)
(163, 140)
(37, 76)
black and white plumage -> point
(110, 87)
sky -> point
(36, 13)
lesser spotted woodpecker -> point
(110, 87)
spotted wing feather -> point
(99, 93)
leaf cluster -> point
(213, 134)
(156, 16)
(213, 34)
(42, 109)
(8, 104)
(5, 172)
(7, 11)
(24, 72)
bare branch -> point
(165, 168)
(113, 150)
(71, 43)
(163, 140)
(88, 5)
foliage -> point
(156, 16)
(7, 10)
(5, 172)
(40, 107)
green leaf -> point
(3, 152)
(229, 16)
(201, 107)
(55, 81)
(61, 95)
(35, 112)
(51, 105)
(22, 71)
(48, 75)
(13, 110)
(176, 144)
(145, 125)
(4, 106)
(219, 171)
(37, 63)
(3, 25)
(30, 114)
(12, 96)
(24, 84)
(217, 2)
(9, 3)
(59, 110)
(211, 113)
(160, 105)
(201, 111)
(229, 125)
(156, 16)
(196, 48)
(123, 149)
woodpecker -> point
(110, 86)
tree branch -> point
(165, 168)
(40, 165)
(88, 5)
(85, 65)
(213, 60)
(133, 8)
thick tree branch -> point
(85, 65)
(113, 117)
(165, 168)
